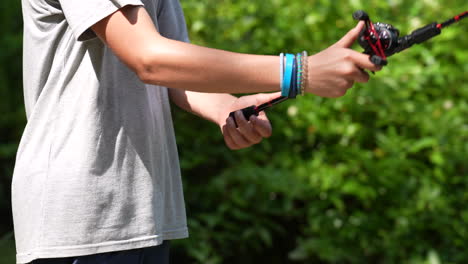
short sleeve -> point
(82, 14)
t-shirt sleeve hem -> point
(84, 31)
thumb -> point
(347, 40)
(265, 97)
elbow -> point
(148, 69)
(160, 65)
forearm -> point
(205, 105)
(130, 33)
(185, 66)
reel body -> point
(387, 34)
(381, 40)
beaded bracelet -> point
(305, 72)
(299, 72)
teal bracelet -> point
(287, 75)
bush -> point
(378, 176)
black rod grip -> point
(247, 112)
(418, 36)
(425, 33)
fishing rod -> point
(255, 110)
(380, 41)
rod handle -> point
(247, 112)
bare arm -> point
(162, 61)
(132, 36)
(205, 105)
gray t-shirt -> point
(97, 168)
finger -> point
(262, 125)
(240, 119)
(236, 136)
(360, 75)
(228, 139)
(363, 61)
(246, 129)
(347, 40)
(363, 76)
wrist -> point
(224, 107)
(293, 74)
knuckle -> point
(347, 54)
(348, 70)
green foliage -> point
(378, 176)
(12, 118)
(7, 249)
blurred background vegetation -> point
(378, 176)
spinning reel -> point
(381, 40)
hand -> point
(248, 132)
(333, 71)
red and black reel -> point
(381, 40)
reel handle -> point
(377, 60)
(360, 15)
